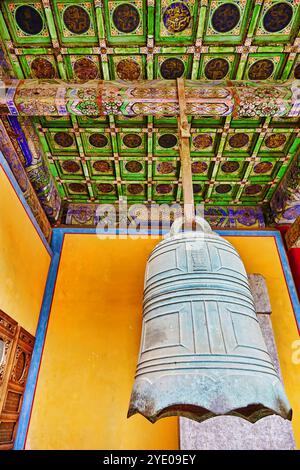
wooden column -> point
(292, 236)
(292, 239)
(185, 156)
(17, 346)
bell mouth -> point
(251, 395)
(251, 413)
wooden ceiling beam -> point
(149, 98)
(185, 155)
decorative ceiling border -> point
(20, 183)
(147, 216)
(28, 151)
(284, 206)
(17, 168)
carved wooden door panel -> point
(16, 346)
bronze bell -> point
(202, 352)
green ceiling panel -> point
(125, 21)
(263, 66)
(227, 21)
(76, 22)
(217, 66)
(26, 22)
(176, 21)
(277, 22)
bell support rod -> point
(185, 156)
(55, 97)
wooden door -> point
(16, 346)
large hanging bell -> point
(202, 353)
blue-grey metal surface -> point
(202, 352)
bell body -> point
(202, 352)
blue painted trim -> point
(14, 183)
(57, 242)
(288, 277)
(13, 120)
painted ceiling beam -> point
(33, 97)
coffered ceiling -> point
(100, 159)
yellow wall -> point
(24, 261)
(260, 256)
(91, 350)
(93, 338)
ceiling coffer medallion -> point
(164, 188)
(261, 69)
(105, 188)
(134, 166)
(85, 68)
(125, 21)
(76, 19)
(253, 189)
(223, 188)
(277, 22)
(230, 166)
(135, 188)
(167, 141)
(277, 17)
(263, 167)
(238, 140)
(197, 188)
(216, 69)
(202, 141)
(132, 141)
(263, 66)
(126, 17)
(77, 22)
(70, 166)
(177, 20)
(199, 167)
(227, 21)
(217, 66)
(172, 68)
(78, 188)
(42, 68)
(177, 17)
(128, 69)
(225, 17)
(165, 168)
(103, 166)
(27, 22)
(63, 139)
(29, 19)
(98, 140)
(274, 141)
